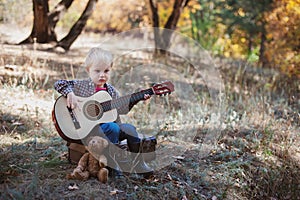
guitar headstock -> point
(163, 88)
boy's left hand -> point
(147, 96)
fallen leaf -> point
(10, 67)
(17, 123)
(178, 157)
(115, 191)
(73, 187)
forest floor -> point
(253, 153)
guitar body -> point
(74, 125)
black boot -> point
(112, 164)
(138, 164)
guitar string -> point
(118, 103)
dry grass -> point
(256, 156)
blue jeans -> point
(117, 132)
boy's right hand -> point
(72, 100)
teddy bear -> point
(93, 162)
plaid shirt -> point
(82, 88)
(86, 88)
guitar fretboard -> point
(125, 100)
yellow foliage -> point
(284, 38)
(241, 12)
(194, 6)
(117, 16)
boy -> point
(98, 64)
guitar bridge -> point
(74, 119)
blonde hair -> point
(97, 54)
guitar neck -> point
(125, 100)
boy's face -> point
(99, 73)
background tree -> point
(162, 37)
(203, 15)
(77, 28)
(267, 30)
(41, 29)
(247, 16)
(284, 37)
(44, 22)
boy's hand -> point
(147, 96)
(72, 100)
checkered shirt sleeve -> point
(64, 87)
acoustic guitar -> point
(75, 124)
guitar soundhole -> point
(93, 110)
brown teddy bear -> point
(93, 162)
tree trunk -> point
(77, 28)
(44, 22)
(163, 37)
(174, 17)
(250, 44)
(155, 22)
(263, 39)
(57, 13)
(40, 30)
